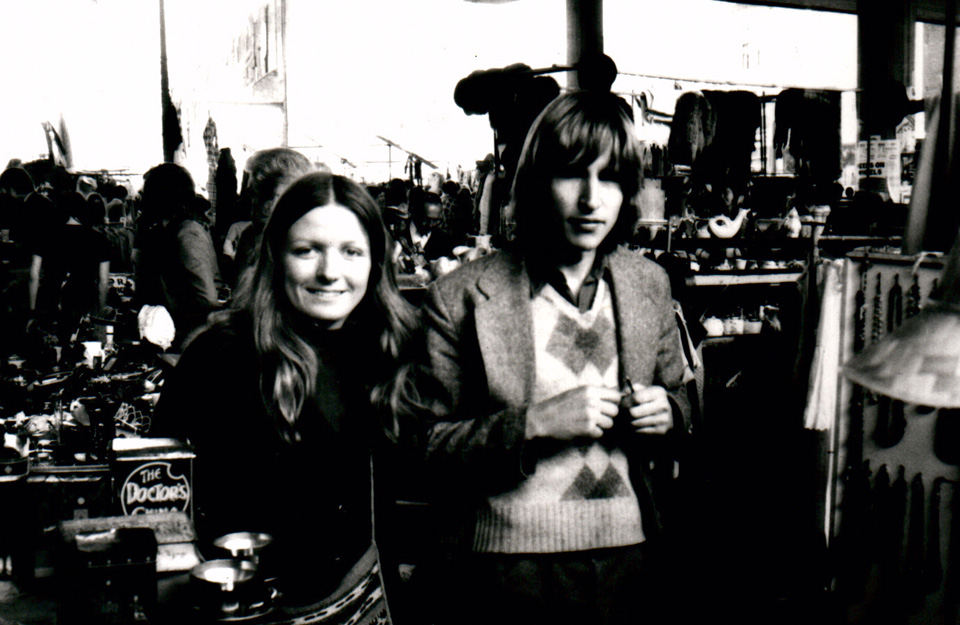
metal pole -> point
(286, 78)
(584, 33)
(164, 84)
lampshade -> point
(919, 363)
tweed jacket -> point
(479, 376)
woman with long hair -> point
(286, 395)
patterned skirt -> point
(359, 600)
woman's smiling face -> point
(326, 264)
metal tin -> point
(153, 475)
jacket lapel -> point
(504, 323)
(637, 321)
(504, 334)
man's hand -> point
(586, 411)
(650, 410)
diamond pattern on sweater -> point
(576, 346)
(587, 486)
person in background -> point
(423, 239)
(175, 262)
(266, 175)
(232, 239)
(449, 190)
(97, 210)
(398, 221)
(395, 193)
(484, 194)
(286, 395)
(16, 185)
(552, 377)
(464, 222)
(203, 210)
(16, 181)
(435, 182)
(377, 193)
(70, 266)
(113, 190)
(120, 237)
(454, 222)
(226, 205)
(86, 186)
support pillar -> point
(584, 33)
(885, 49)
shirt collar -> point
(542, 274)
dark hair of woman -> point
(289, 362)
(572, 132)
(168, 193)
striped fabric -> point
(359, 600)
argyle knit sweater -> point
(579, 496)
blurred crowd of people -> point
(526, 396)
(64, 234)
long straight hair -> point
(571, 132)
(289, 364)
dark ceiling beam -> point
(931, 11)
(841, 6)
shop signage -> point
(881, 158)
(154, 487)
(152, 476)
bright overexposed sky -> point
(361, 68)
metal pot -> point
(244, 545)
(229, 590)
(226, 576)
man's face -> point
(586, 204)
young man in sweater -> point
(553, 379)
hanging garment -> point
(692, 129)
(714, 132)
(807, 123)
(728, 157)
(824, 371)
